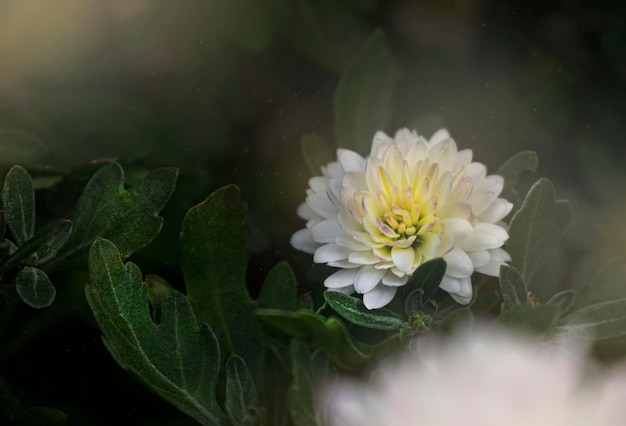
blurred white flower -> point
(485, 379)
(410, 201)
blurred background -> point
(225, 89)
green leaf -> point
(47, 237)
(540, 318)
(241, 396)
(536, 228)
(18, 201)
(596, 322)
(423, 284)
(518, 163)
(128, 218)
(158, 290)
(176, 359)
(353, 309)
(57, 239)
(307, 369)
(565, 299)
(512, 287)
(20, 147)
(363, 98)
(214, 258)
(279, 289)
(34, 287)
(316, 153)
(329, 334)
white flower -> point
(489, 378)
(410, 201)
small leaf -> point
(512, 287)
(177, 359)
(307, 369)
(363, 98)
(353, 309)
(604, 320)
(565, 299)
(329, 334)
(536, 228)
(540, 318)
(214, 257)
(518, 163)
(18, 201)
(241, 397)
(46, 236)
(58, 238)
(279, 289)
(316, 153)
(129, 218)
(423, 284)
(34, 287)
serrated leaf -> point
(20, 147)
(563, 298)
(329, 334)
(423, 284)
(363, 98)
(241, 396)
(279, 290)
(316, 152)
(518, 163)
(536, 228)
(176, 359)
(540, 318)
(128, 218)
(214, 258)
(34, 287)
(307, 370)
(18, 202)
(353, 310)
(596, 322)
(512, 287)
(46, 236)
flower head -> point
(411, 200)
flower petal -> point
(459, 288)
(403, 257)
(306, 212)
(498, 210)
(329, 253)
(302, 240)
(326, 231)
(378, 297)
(498, 258)
(363, 257)
(341, 278)
(350, 160)
(459, 263)
(367, 278)
(320, 204)
(486, 236)
(393, 280)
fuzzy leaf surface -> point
(512, 286)
(128, 218)
(329, 334)
(307, 370)
(600, 321)
(279, 290)
(241, 396)
(18, 202)
(34, 287)
(176, 358)
(353, 309)
(536, 228)
(214, 257)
